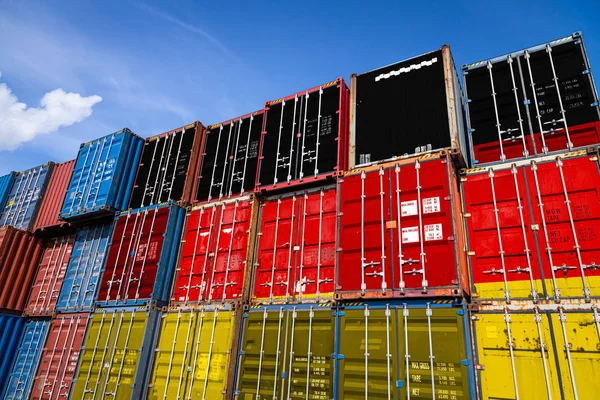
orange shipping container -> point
(47, 220)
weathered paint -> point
(11, 333)
(195, 354)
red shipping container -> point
(218, 240)
(49, 276)
(533, 228)
(400, 230)
(59, 357)
(20, 254)
(47, 221)
(295, 257)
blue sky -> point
(160, 65)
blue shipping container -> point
(11, 331)
(25, 197)
(26, 361)
(134, 274)
(6, 183)
(103, 176)
(82, 277)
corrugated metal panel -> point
(305, 137)
(194, 355)
(538, 353)
(218, 241)
(82, 277)
(287, 352)
(410, 350)
(400, 230)
(59, 357)
(6, 183)
(295, 257)
(11, 333)
(168, 167)
(116, 353)
(26, 362)
(103, 176)
(142, 256)
(230, 158)
(533, 228)
(20, 253)
(25, 197)
(47, 219)
(531, 102)
(49, 276)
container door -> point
(501, 237)
(21, 205)
(245, 155)
(515, 357)
(368, 347)
(577, 338)
(565, 196)
(212, 163)
(111, 354)
(365, 258)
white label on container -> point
(433, 232)
(410, 234)
(431, 205)
(409, 208)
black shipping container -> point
(406, 108)
(230, 158)
(168, 167)
(512, 98)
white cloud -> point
(20, 124)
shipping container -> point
(532, 102)
(20, 254)
(49, 276)
(142, 256)
(116, 353)
(419, 349)
(287, 352)
(25, 197)
(533, 228)
(307, 142)
(59, 357)
(103, 177)
(11, 333)
(537, 352)
(6, 183)
(400, 231)
(86, 264)
(47, 221)
(26, 360)
(230, 158)
(168, 167)
(218, 241)
(407, 108)
(295, 256)
(195, 356)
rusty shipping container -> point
(230, 158)
(116, 354)
(47, 221)
(142, 257)
(218, 241)
(533, 228)
(400, 230)
(407, 108)
(49, 276)
(25, 197)
(196, 354)
(59, 357)
(168, 167)
(305, 138)
(532, 102)
(296, 248)
(529, 351)
(20, 254)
